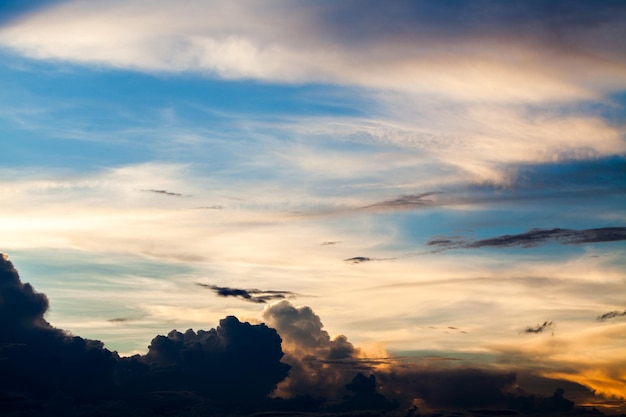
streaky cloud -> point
(540, 328)
(364, 259)
(535, 237)
(252, 295)
(407, 201)
(611, 315)
(164, 192)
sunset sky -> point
(442, 182)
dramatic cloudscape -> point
(409, 207)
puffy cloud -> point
(320, 364)
(234, 364)
(38, 359)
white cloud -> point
(296, 42)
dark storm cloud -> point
(535, 237)
(611, 315)
(234, 362)
(164, 192)
(252, 295)
(37, 359)
(232, 365)
(540, 328)
(462, 387)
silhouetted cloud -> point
(37, 359)
(456, 387)
(363, 259)
(232, 368)
(164, 192)
(330, 242)
(540, 328)
(535, 237)
(611, 315)
(234, 364)
(252, 295)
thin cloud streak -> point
(611, 315)
(251, 295)
(535, 237)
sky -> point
(419, 191)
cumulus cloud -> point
(235, 363)
(233, 368)
(38, 359)
(535, 237)
(308, 348)
(252, 295)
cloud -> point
(404, 202)
(611, 315)
(540, 328)
(487, 50)
(232, 368)
(252, 295)
(319, 364)
(363, 259)
(536, 237)
(38, 359)
(235, 363)
(164, 192)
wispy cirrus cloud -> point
(229, 43)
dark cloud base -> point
(236, 368)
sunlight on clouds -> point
(229, 41)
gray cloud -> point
(535, 237)
(407, 201)
(252, 295)
(363, 259)
(540, 328)
(164, 192)
(611, 315)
